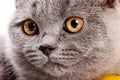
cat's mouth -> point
(54, 69)
(54, 63)
(61, 59)
(61, 62)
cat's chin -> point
(54, 69)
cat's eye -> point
(30, 27)
(73, 24)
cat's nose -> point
(48, 45)
(47, 49)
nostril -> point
(46, 49)
(50, 49)
(41, 48)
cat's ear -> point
(110, 3)
(18, 3)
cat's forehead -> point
(63, 4)
(57, 7)
(54, 9)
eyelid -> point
(20, 22)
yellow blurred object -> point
(111, 77)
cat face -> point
(60, 36)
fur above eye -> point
(30, 27)
(73, 24)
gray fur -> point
(86, 55)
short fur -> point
(86, 55)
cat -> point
(61, 40)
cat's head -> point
(61, 36)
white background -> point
(7, 8)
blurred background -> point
(7, 8)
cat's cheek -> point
(38, 59)
(16, 38)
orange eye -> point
(74, 24)
(30, 27)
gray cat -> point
(62, 40)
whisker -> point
(30, 51)
(31, 56)
(34, 60)
(9, 73)
(12, 76)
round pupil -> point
(74, 23)
(32, 26)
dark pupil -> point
(32, 26)
(74, 23)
